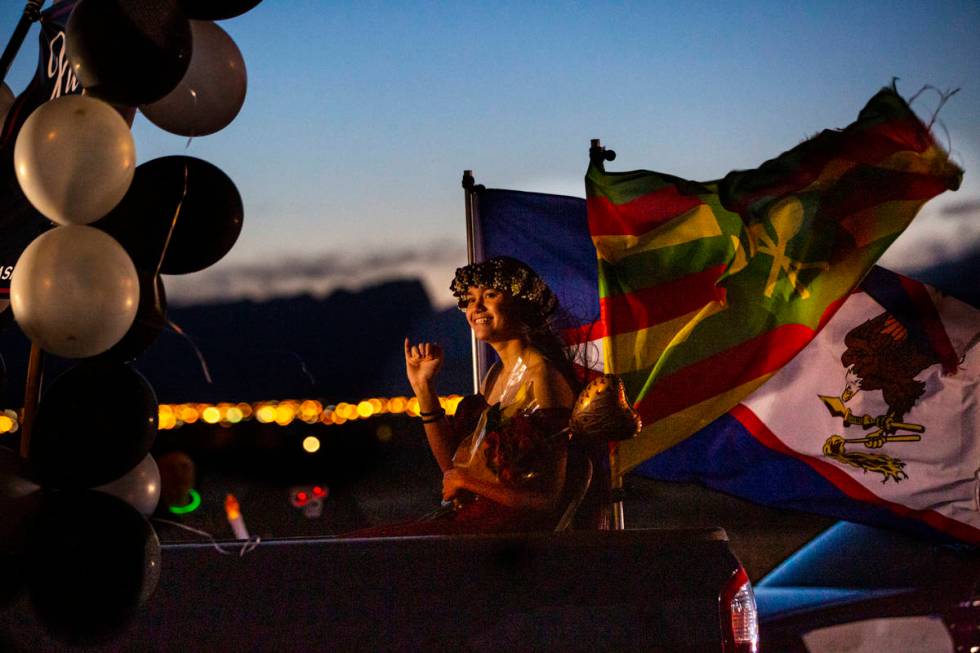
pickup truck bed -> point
(648, 590)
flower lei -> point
(507, 275)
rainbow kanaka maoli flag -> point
(707, 289)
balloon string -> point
(200, 356)
(193, 95)
(173, 223)
(246, 547)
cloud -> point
(966, 209)
(943, 231)
(320, 275)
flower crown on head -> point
(508, 275)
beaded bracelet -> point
(434, 416)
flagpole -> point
(32, 14)
(598, 155)
(469, 197)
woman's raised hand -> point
(422, 362)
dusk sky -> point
(360, 117)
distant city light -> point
(285, 413)
(310, 410)
(397, 404)
(265, 414)
(344, 409)
(311, 444)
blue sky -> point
(360, 117)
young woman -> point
(503, 456)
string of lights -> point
(283, 413)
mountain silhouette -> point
(344, 347)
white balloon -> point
(74, 291)
(74, 159)
(212, 90)
(139, 487)
(6, 101)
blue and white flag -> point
(551, 234)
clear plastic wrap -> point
(507, 443)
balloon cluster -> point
(90, 288)
(91, 285)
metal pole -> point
(32, 393)
(616, 490)
(469, 197)
(598, 155)
(32, 14)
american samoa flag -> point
(877, 420)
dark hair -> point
(542, 333)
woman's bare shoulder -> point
(551, 388)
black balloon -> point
(208, 222)
(216, 9)
(151, 318)
(94, 424)
(93, 560)
(19, 500)
(15, 479)
(128, 52)
(12, 576)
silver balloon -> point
(139, 487)
(74, 158)
(212, 90)
(74, 291)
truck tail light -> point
(739, 618)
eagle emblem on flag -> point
(879, 355)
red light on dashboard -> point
(318, 491)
